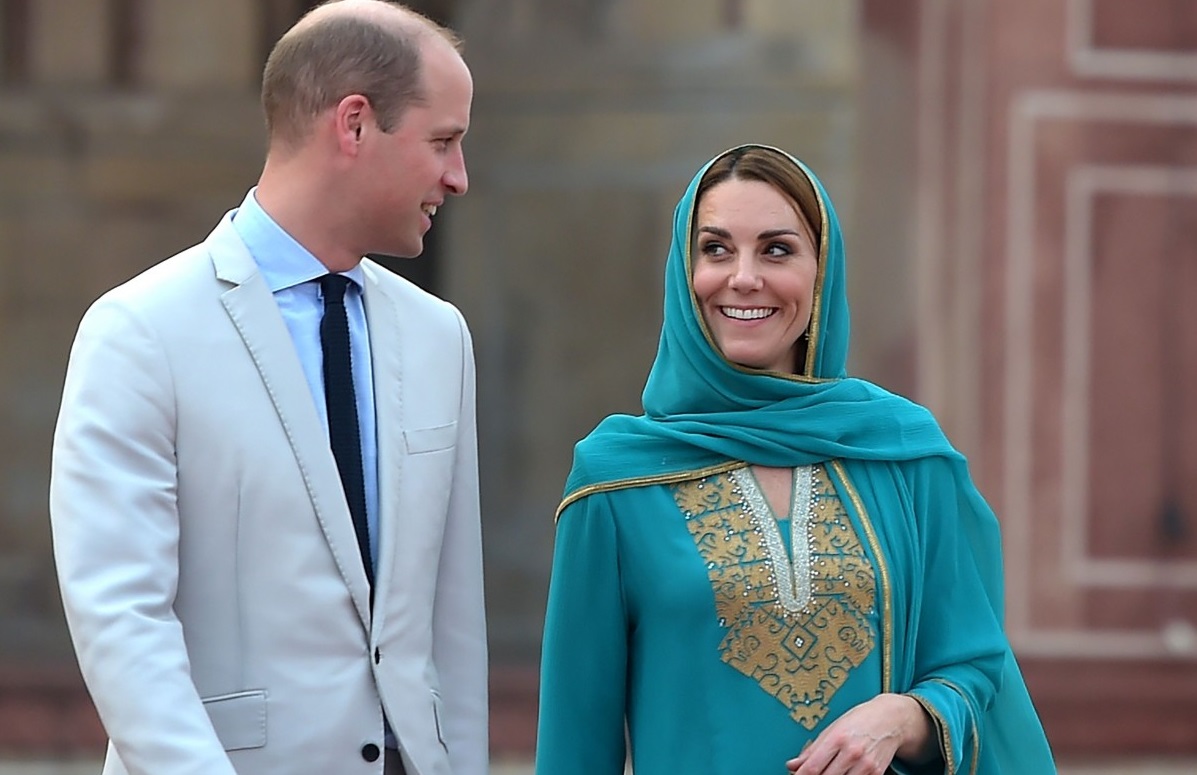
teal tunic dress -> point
(693, 630)
(739, 643)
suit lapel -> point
(252, 309)
(386, 353)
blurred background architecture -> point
(1018, 184)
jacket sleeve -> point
(583, 669)
(115, 527)
(459, 617)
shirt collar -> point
(283, 262)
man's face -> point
(412, 169)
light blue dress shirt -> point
(292, 274)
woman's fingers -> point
(861, 742)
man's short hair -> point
(316, 65)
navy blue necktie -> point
(343, 430)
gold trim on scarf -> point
(944, 733)
(972, 720)
(643, 481)
(976, 745)
(887, 604)
(813, 328)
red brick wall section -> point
(46, 711)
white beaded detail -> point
(792, 570)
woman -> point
(776, 567)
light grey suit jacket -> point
(205, 551)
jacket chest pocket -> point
(420, 440)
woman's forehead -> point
(750, 203)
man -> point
(264, 492)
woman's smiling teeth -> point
(429, 210)
(751, 313)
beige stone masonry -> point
(208, 45)
(69, 42)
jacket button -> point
(377, 655)
(370, 752)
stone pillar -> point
(96, 184)
(69, 42)
(208, 45)
(6, 42)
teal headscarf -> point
(701, 410)
(703, 414)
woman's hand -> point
(866, 739)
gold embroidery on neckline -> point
(792, 569)
(800, 654)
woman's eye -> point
(713, 249)
(778, 249)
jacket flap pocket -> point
(239, 719)
(430, 439)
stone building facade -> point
(1016, 183)
(1056, 334)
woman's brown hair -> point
(772, 167)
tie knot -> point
(333, 287)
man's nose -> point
(456, 179)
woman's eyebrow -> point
(777, 233)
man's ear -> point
(351, 114)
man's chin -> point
(414, 250)
(397, 255)
(407, 251)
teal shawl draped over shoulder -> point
(703, 414)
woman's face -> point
(755, 264)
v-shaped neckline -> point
(792, 570)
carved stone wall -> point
(1054, 149)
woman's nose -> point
(745, 277)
